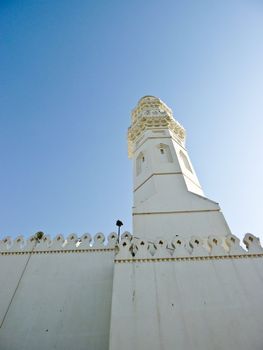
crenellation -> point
(71, 242)
(234, 246)
(30, 243)
(198, 246)
(252, 244)
(212, 247)
(127, 235)
(216, 245)
(134, 247)
(152, 248)
(140, 249)
(112, 240)
(180, 246)
(43, 244)
(57, 243)
(85, 241)
(6, 243)
(161, 249)
(99, 240)
(18, 243)
(124, 250)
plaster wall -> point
(149, 147)
(186, 224)
(60, 300)
(155, 162)
(168, 198)
(188, 305)
(11, 269)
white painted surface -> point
(168, 198)
(11, 268)
(188, 305)
(62, 301)
(181, 282)
(203, 224)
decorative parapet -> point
(72, 243)
(132, 248)
(152, 113)
(195, 248)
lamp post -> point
(119, 224)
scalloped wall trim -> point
(73, 244)
(131, 248)
(196, 248)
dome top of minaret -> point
(150, 105)
(149, 97)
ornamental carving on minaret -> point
(152, 113)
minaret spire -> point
(168, 198)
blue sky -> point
(70, 73)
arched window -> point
(165, 153)
(185, 161)
(139, 163)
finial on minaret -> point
(152, 113)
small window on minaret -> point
(165, 152)
(139, 163)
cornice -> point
(189, 258)
(148, 123)
(35, 252)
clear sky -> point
(70, 73)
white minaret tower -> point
(168, 198)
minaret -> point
(168, 198)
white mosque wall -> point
(195, 295)
(11, 268)
(192, 293)
(56, 294)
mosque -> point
(180, 281)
